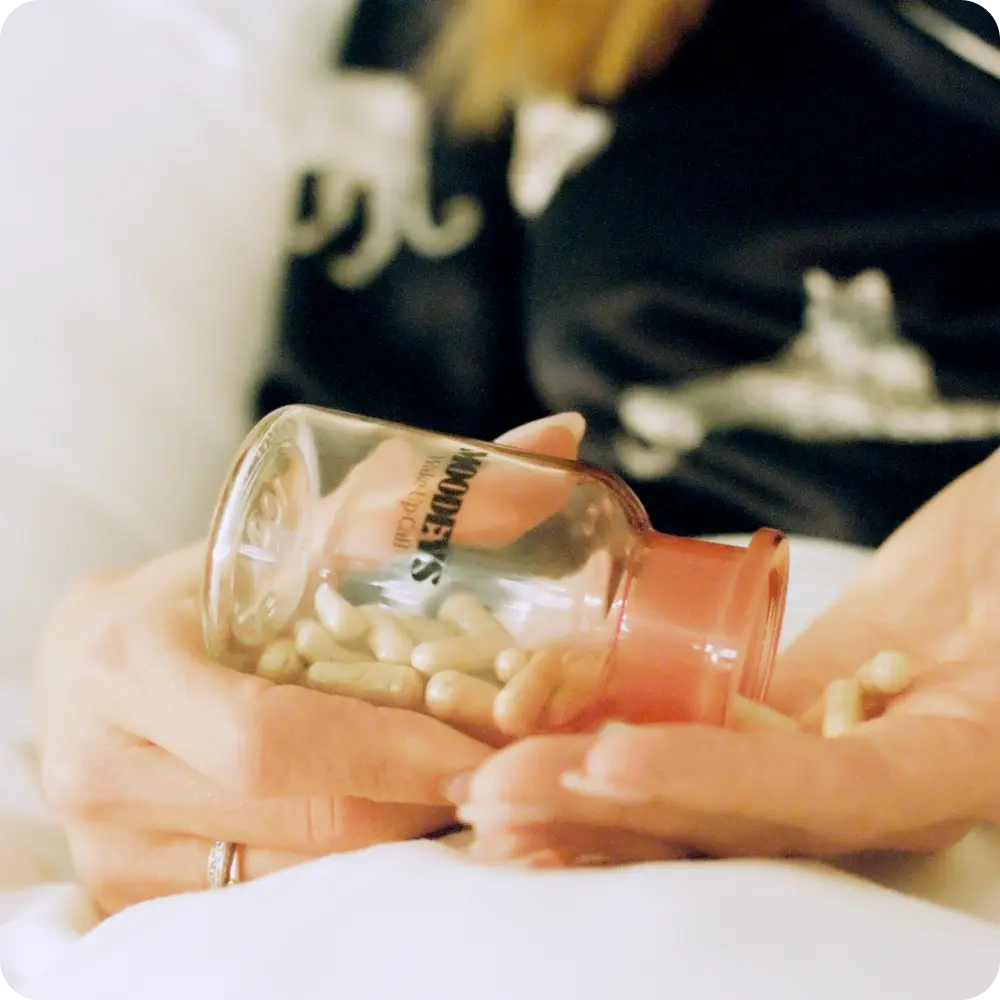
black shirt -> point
(837, 134)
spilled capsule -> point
(842, 708)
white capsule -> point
(519, 706)
(509, 663)
(339, 617)
(427, 629)
(842, 708)
(313, 643)
(386, 638)
(752, 716)
(280, 662)
(375, 613)
(389, 642)
(469, 653)
(465, 611)
(886, 674)
(581, 677)
(463, 702)
(388, 684)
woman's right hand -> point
(150, 752)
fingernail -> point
(456, 788)
(573, 422)
(546, 858)
(502, 814)
(540, 859)
(581, 784)
(497, 849)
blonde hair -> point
(495, 53)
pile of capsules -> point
(463, 667)
(852, 700)
(846, 703)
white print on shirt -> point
(368, 143)
(552, 140)
(848, 376)
(958, 40)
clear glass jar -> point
(505, 593)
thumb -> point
(557, 436)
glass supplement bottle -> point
(504, 593)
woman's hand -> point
(915, 779)
(150, 752)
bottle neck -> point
(700, 624)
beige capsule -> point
(471, 654)
(842, 708)
(314, 644)
(581, 677)
(518, 708)
(464, 702)
(339, 617)
(375, 613)
(427, 629)
(392, 685)
(886, 674)
(280, 662)
(388, 641)
(752, 716)
(509, 663)
(466, 612)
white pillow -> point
(145, 188)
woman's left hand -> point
(918, 777)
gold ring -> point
(223, 865)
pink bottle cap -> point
(700, 624)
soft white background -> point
(145, 158)
(147, 149)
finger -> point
(525, 786)
(141, 787)
(570, 845)
(522, 784)
(900, 774)
(123, 867)
(525, 772)
(732, 793)
(261, 740)
(557, 436)
(507, 499)
(359, 522)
